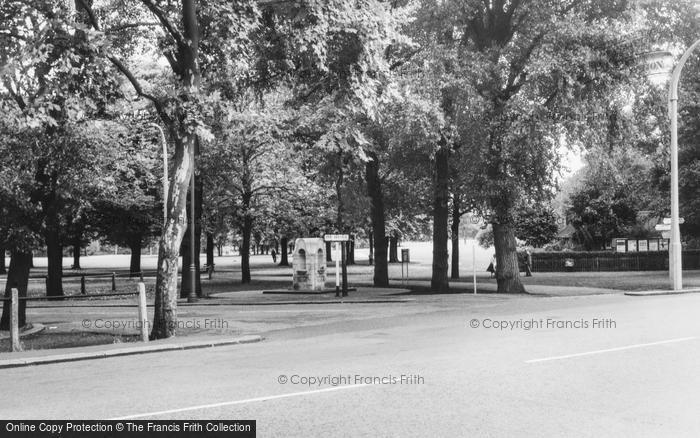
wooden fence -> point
(612, 261)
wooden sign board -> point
(336, 237)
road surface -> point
(634, 374)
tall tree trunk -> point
(3, 266)
(393, 249)
(284, 247)
(54, 253)
(17, 277)
(135, 262)
(165, 316)
(456, 216)
(198, 208)
(76, 253)
(329, 252)
(507, 270)
(245, 249)
(220, 250)
(350, 252)
(185, 249)
(210, 251)
(378, 247)
(439, 281)
(187, 68)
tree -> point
(193, 39)
(51, 82)
(441, 177)
(517, 68)
(614, 191)
(19, 226)
(535, 225)
(3, 265)
(132, 214)
(244, 166)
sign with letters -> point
(336, 237)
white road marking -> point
(608, 350)
(295, 311)
(239, 402)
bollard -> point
(82, 285)
(47, 285)
(141, 276)
(114, 282)
(143, 312)
(14, 320)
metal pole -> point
(675, 248)
(474, 264)
(404, 278)
(192, 297)
(337, 268)
(165, 172)
(345, 269)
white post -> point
(336, 247)
(14, 320)
(143, 312)
(474, 263)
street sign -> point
(663, 227)
(658, 66)
(336, 237)
(667, 220)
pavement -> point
(490, 287)
(648, 293)
(42, 357)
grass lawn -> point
(629, 280)
(267, 275)
(45, 340)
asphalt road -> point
(635, 374)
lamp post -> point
(656, 61)
(192, 295)
(165, 172)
